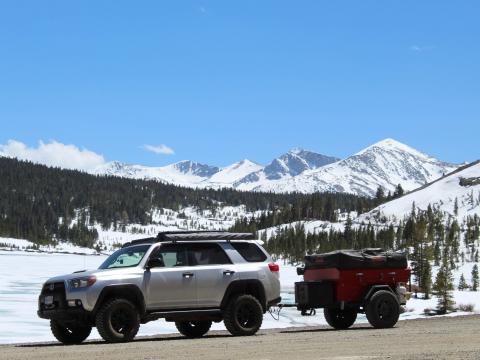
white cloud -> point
(418, 48)
(160, 149)
(53, 154)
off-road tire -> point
(382, 310)
(117, 320)
(243, 315)
(69, 335)
(193, 329)
(340, 319)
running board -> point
(187, 315)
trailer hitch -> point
(275, 311)
(308, 312)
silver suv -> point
(191, 278)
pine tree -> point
(443, 287)
(380, 195)
(398, 191)
(475, 278)
(426, 279)
(462, 284)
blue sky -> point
(218, 81)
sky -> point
(155, 82)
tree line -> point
(45, 205)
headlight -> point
(83, 282)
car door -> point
(213, 271)
(171, 283)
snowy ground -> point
(22, 275)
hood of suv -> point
(100, 274)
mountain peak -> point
(195, 168)
(295, 151)
(390, 144)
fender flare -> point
(373, 289)
(252, 287)
(126, 291)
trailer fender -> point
(373, 289)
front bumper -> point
(57, 307)
(66, 315)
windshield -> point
(126, 257)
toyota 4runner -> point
(190, 278)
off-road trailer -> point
(347, 282)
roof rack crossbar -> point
(175, 236)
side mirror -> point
(154, 262)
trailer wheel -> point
(340, 319)
(382, 310)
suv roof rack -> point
(175, 236)
(150, 240)
(203, 235)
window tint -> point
(249, 251)
(170, 255)
(207, 254)
(125, 257)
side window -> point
(207, 254)
(170, 255)
(249, 251)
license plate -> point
(48, 300)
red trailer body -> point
(347, 282)
(351, 285)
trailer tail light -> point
(274, 267)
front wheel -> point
(243, 315)
(70, 334)
(383, 310)
(118, 321)
(340, 319)
(193, 329)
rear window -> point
(250, 251)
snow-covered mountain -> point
(291, 164)
(386, 163)
(461, 187)
(233, 173)
(186, 173)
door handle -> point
(187, 275)
(228, 272)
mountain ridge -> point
(385, 164)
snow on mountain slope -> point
(291, 164)
(386, 163)
(230, 174)
(186, 173)
(440, 194)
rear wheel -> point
(340, 319)
(193, 329)
(383, 310)
(118, 321)
(243, 315)
(70, 334)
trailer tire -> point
(382, 310)
(340, 319)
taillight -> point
(274, 267)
